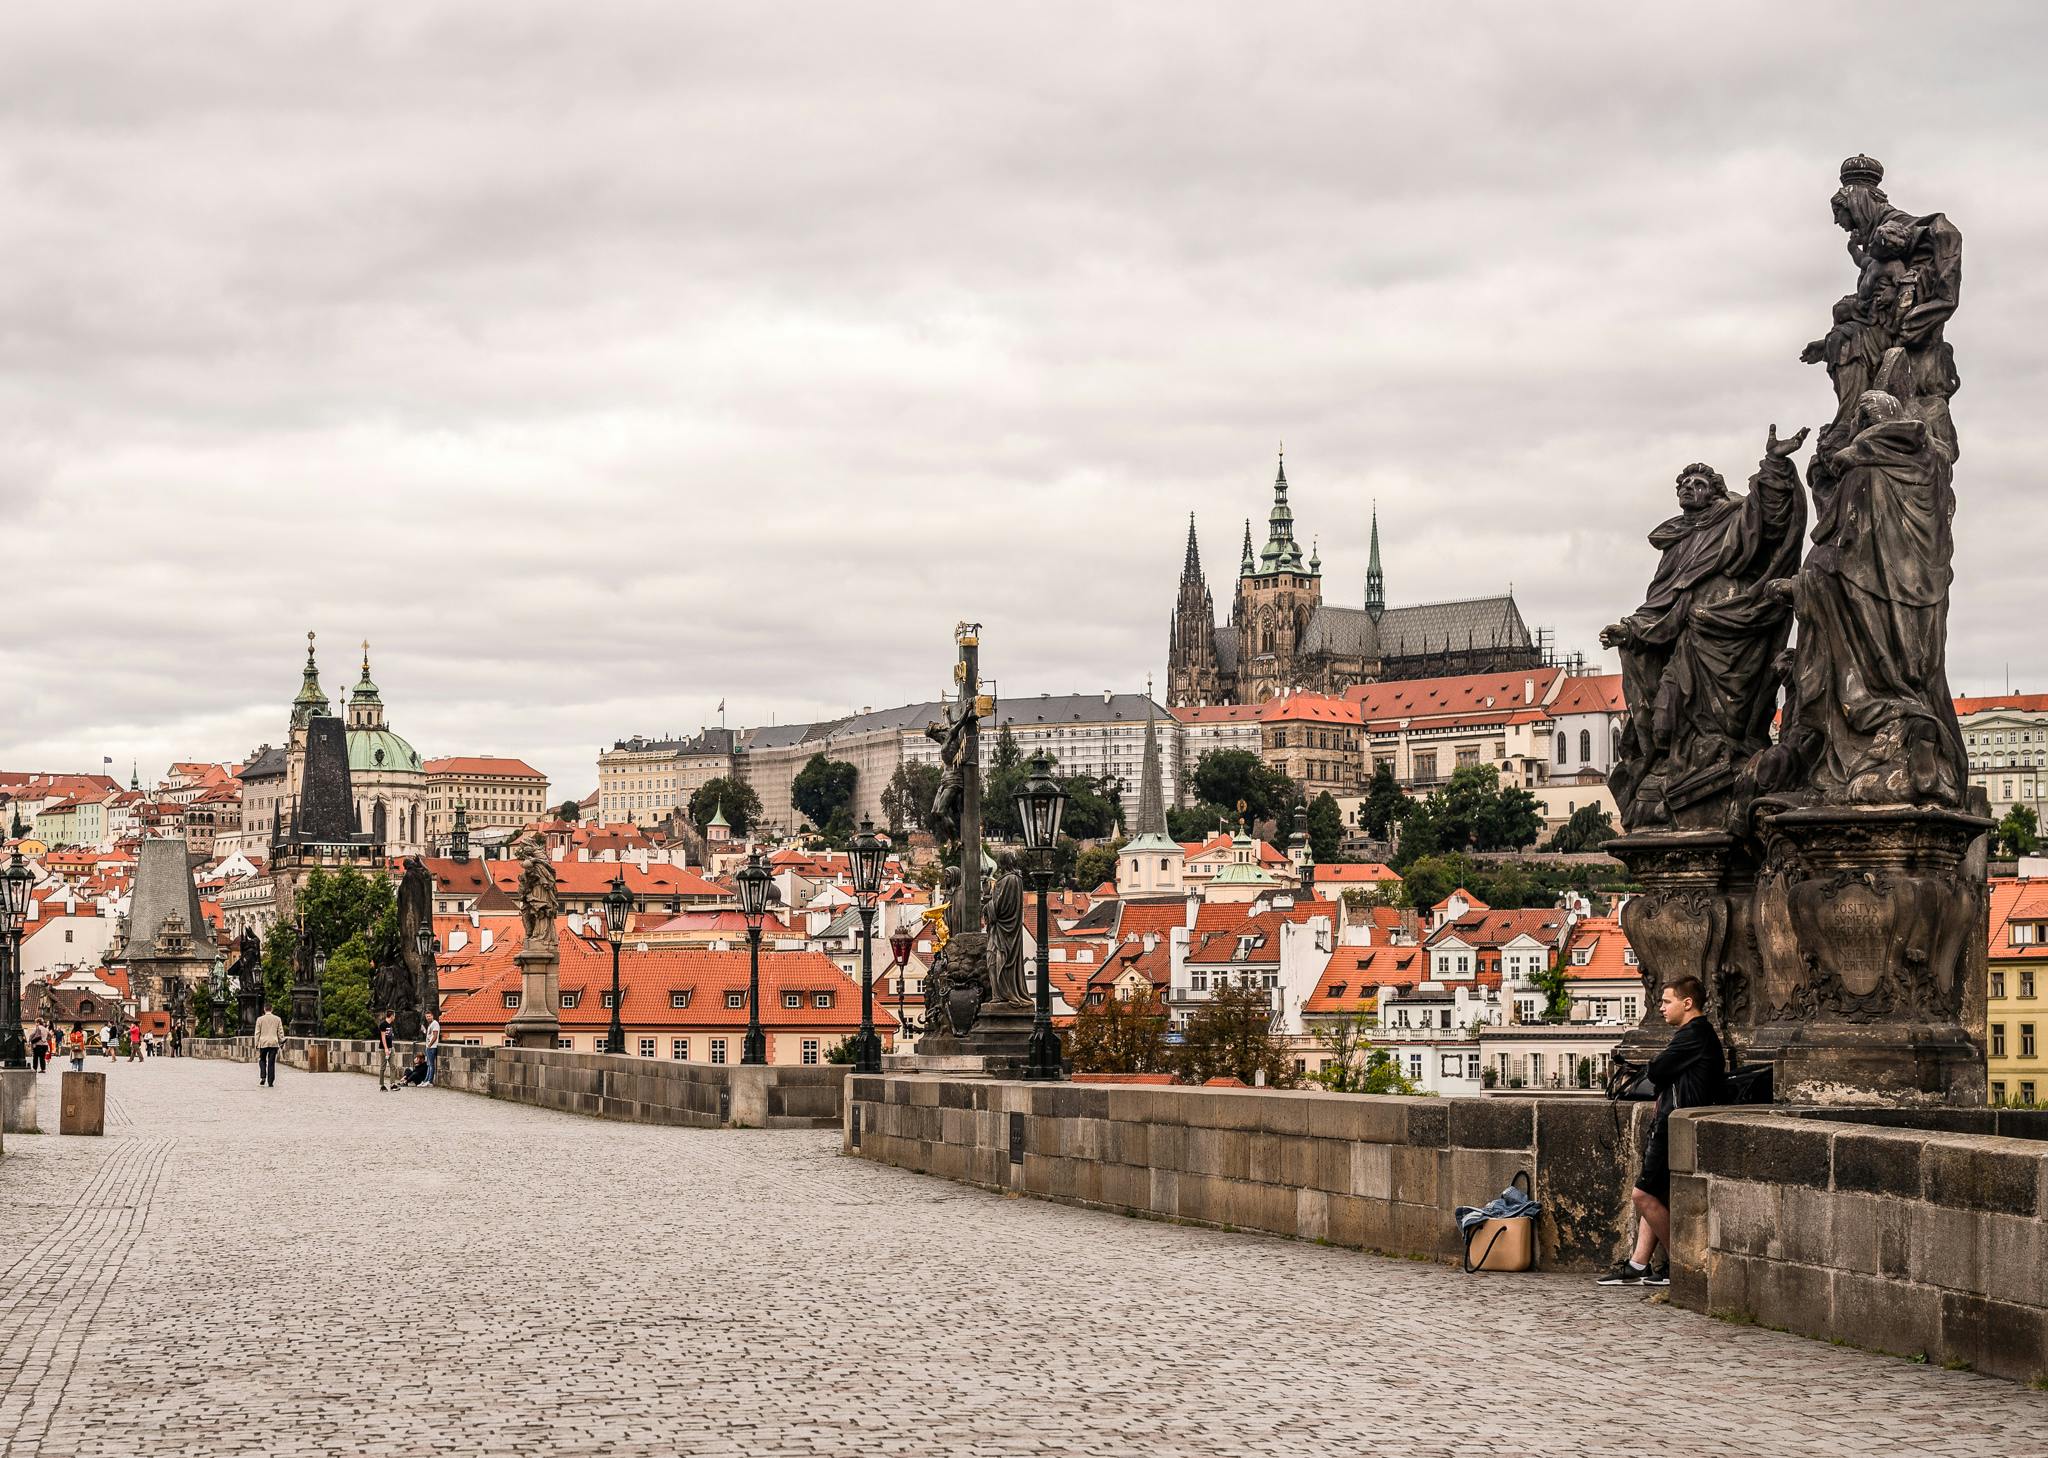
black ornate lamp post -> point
(1040, 803)
(15, 883)
(866, 854)
(753, 880)
(618, 906)
(902, 942)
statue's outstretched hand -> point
(1781, 449)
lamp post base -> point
(867, 1052)
(754, 1047)
(1042, 1060)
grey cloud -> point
(599, 362)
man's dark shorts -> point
(1655, 1180)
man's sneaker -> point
(1658, 1274)
(1626, 1273)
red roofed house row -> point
(687, 1005)
(499, 794)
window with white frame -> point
(735, 999)
(678, 997)
(810, 1050)
(604, 998)
(512, 1000)
(647, 1047)
(718, 1050)
(821, 999)
(565, 1042)
(792, 999)
(679, 1049)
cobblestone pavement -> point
(324, 1269)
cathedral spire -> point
(1191, 569)
(1250, 564)
(312, 700)
(1151, 784)
(1375, 580)
(1282, 553)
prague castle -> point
(1281, 637)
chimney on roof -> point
(1528, 690)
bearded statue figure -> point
(1697, 656)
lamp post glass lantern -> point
(753, 881)
(865, 857)
(1040, 804)
(15, 883)
(618, 907)
(902, 942)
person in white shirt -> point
(433, 1045)
(269, 1038)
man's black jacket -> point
(1690, 1071)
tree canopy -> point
(1352, 1064)
(731, 794)
(1231, 1036)
(823, 791)
(1226, 776)
(1589, 828)
(1384, 804)
(907, 798)
(2019, 834)
(1472, 811)
(1326, 830)
(1120, 1035)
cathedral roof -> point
(379, 751)
(1428, 627)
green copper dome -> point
(374, 751)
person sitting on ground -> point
(1687, 1074)
(416, 1075)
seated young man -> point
(1687, 1074)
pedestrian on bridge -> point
(387, 1036)
(269, 1038)
(78, 1047)
(135, 1042)
(433, 1045)
(39, 1045)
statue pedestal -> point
(1870, 931)
(1693, 919)
(538, 1023)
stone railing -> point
(1914, 1232)
(1377, 1173)
(607, 1086)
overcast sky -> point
(600, 361)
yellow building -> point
(2016, 1006)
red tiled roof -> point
(1315, 708)
(482, 764)
(2015, 898)
(1604, 939)
(1598, 693)
(648, 978)
(1489, 697)
(2024, 703)
(1135, 918)
(1221, 946)
(594, 878)
(1222, 841)
(1365, 873)
(1217, 916)
(1491, 928)
(1216, 713)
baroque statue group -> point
(1792, 782)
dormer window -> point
(735, 999)
(792, 999)
(821, 999)
(678, 997)
(570, 1000)
(1582, 956)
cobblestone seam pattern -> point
(323, 1269)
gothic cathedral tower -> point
(1275, 596)
(1193, 675)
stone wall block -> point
(1983, 1173)
(1689, 1225)
(1796, 1297)
(1477, 1175)
(1806, 1226)
(1947, 1248)
(1372, 1171)
(1998, 1337)
(1128, 1143)
(1312, 1214)
(1784, 1151)
(1369, 1117)
(1493, 1124)
(1742, 1217)
(1885, 1316)
(1429, 1122)
(2014, 1266)
(1417, 1172)
(1165, 1197)
(1855, 1232)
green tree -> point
(1556, 987)
(1226, 776)
(1000, 782)
(1589, 828)
(1096, 864)
(2019, 833)
(1120, 1035)
(1231, 1036)
(570, 811)
(280, 949)
(345, 990)
(907, 798)
(733, 795)
(1197, 822)
(338, 905)
(1352, 1064)
(823, 792)
(1385, 805)
(1326, 830)
(1470, 812)
(1094, 806)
